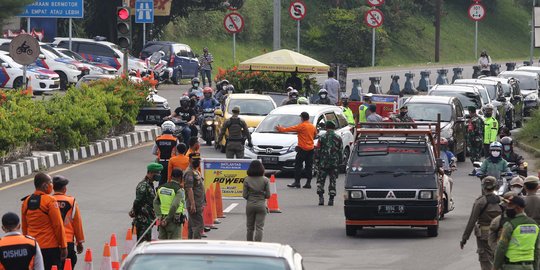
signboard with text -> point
(230, 174)
(54, 9)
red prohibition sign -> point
(233, 22)
(375, 3)
(477, 12)
(374, 18)
(297, 10)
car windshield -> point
(74, 55)
(258, 107)
(428, 111)
(206, 262)
(390, 157)
(51, 50)
(270, 122)
(525, 82)
(467, 98)
(485, 96)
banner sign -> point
(54, 9)
(230, 174)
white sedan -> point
(11, 76)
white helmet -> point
(168, 126)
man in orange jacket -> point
(42, 220)
(18, 251)
(304, 151)
(71, 216)
(181, 161)
(165, 148)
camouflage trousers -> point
(475, 149)
(332, 174)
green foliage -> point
(531, 131)
(12, 7)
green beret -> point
(330, 124)
(154, 167)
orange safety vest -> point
(17, 252)
(166, 145)
(71, 216)
(41, 219)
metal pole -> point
(437, 29)
(277, 24)
(373, 47)
(234, 48)
(143, 34)
(70, 32)
(24, 76)
(532, 32)
(125, 62)
(28, 25)
(298, 36)
(475, 39)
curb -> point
(528, 148)
(45, 160)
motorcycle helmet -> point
(230, 89)
(495, 149)
(207, 92)
(345, 100)
(303, 100)
(184, 101)
(195, 82)
(507, 144)
(323, 93)
(168, 126)
(289, 89)
(293, 94)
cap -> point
(471, 109)
(489, 182)
(195, 155)
(154, 167)
(236, 109)
(531, 179)
(404, 107)
(516, 181)
(59, 181)
(517, 200)
(507, 196)
(10, 219)
(330, 124)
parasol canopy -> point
(284, 61)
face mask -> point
(323, 96)
(510, 212)
(195, 85)
(495, 153)
(506, 148)
(156, 177)
(196, 163)
(488, 114)
(49, 188)
(402, 113)
(517, 190)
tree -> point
(11, 8)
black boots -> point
(294, 185)
(321, 199)
(308, 184)
(331, 201)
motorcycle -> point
(503, 180)
(180, 126)
(208, 125)
(159, 68)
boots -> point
(331, 201)
(295, 184)
(321, 199)
(308, 184)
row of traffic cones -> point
(214, 206)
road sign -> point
(233, 23)
(374, 18)
(375, 3)
(297, 10)
(477, 12)
(24, 49)
(54, 9)
(144, 11)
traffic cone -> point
(54, 267)
(67, 264)
(207, 212)
(185, 229)
(115, 263)
(219, 201)
(88, 265)
(124, 256)
(128, 245)
(106, 263)
(272, 203)
(214, 207)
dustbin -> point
(494, 69)
(458, 74)
(442, 78)
(409, 88)
(375, 87)
(510, 66)
(425, 82)
(356, 90)
(476, 71)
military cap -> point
(330, 124)
(507, 196)
(194, 155)
(489, 182)
(471, 109)
(154, 167)
(236, 109)
(531, 179)
(10, 219)
(517, 200)
(59, 182)
(516, 181)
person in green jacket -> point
(347, 111)
(169, 206)
(495, 165)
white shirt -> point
(484, 62)
(332, 86)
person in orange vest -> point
(194, 146)
(180, 161)
(72, 218)
(165, 148)
(41, 219)
(18, 251)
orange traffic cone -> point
(185, 229)
(54, 267)
(115, 263)
(214, 207)
(88, 265)
(128, 245)
(207, 212)
(106, 263)
(67, 264)
(219, 201)
(272, 203)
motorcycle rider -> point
(194, 105)
(450, 160)
(509, 155)
(323, 97)
(221, 89)
(195, 87)
(165, 148)
(228, 90)
(293, 98)
(187, 114)
(208, 102)
(495, 165)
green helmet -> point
(303, 100)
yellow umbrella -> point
(284, 61)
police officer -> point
(292, 97)
(323, 97)
(143, 206)
(362, 110)
(238, 133)
(475, 134)
(196, 200)
(491, 128)
(71, 214)
(532, 200)
(485, 208)
(403, 117)
(169, 206)
(518, 245)
(330, 156)
(347, 111)
(497, 223)
(18, 251)
(165, 148)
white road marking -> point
(230, 208)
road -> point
(105, 189)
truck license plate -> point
(268, 159)
(391, 209)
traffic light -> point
(123, 27)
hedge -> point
(80, 116)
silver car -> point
(212, 255)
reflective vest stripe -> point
(491, 128)
(166, 197)
(522, 244)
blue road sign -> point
(144, 11)
(54, 9)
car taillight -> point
(171, 62)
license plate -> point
(391, 209)
(268, 159)
(152, 117)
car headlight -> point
(425, 195)
(209, 122)
(98, 69)
(292, 148)
(356, 194)
(72, 67)
(531, 97)
(166, 105)
(41, 77)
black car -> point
(426, 108)
(179, 57)
(512, 101)
(529, 86)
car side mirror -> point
(5, 65)
(42, 56)
(439, 162)
(196, 56)
(218, 112)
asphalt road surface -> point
(105, 189)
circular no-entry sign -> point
(297, 10)
(374, 18)
(375, 3)
(477, 12)
(233, 22)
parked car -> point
(468, 95)
(426, 108)
(513, 96)
(40, 79)
(94, 67)
(213, 255)
(529, 80)
(276, 150)
(98, 50)
(253, 109)
(179, 57)
(493, 88)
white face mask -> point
(323, 96)
(517, 190)
(495, 153)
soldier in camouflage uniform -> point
(143, 209)
(330, 155)
(403, 117)
(475, 131)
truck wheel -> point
(350, 230)
(433, 231)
